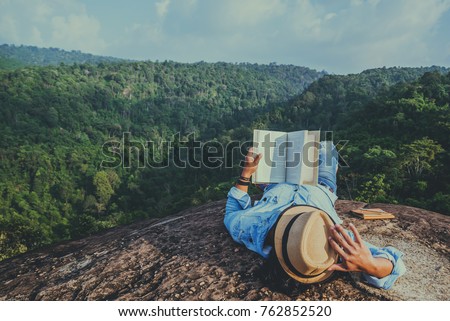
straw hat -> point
(301, 243)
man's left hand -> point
(355, 255)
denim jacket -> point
(249, 224)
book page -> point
(312, 176)
(302, 163)
(272, 144)
(295, 142)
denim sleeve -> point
(393, 255)
(237, 201)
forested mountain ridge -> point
(334, 95)
(126, 94)
(55, 120)
(395, 134)
(12, 56)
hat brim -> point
(283, 221)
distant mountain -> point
(55, 120)
(10, 63)
(396, 124)
(12, 56)
(58, 123)
(329, 98)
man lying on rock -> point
(300, 224)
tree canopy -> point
(61, 124)
(56, 119)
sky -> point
(339, 36)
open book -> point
(287, 157)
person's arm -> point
(356, 256)
(380, 267)
(238, 198)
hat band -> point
(285, 251)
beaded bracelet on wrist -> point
(243, 183)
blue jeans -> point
(328, 164)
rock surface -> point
(190, 256)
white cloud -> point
(42, 11)
(356, 2)
(162, 8)
(50, 23)
(362, 2)
(374, 2)
(306, 20)
(366, 34)
(330, 15)
(250, 12)
(144, 33)
(36, 37)
(79, 32)
(339, 36)
(9, 26)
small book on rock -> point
(372, 214)
(291, 157)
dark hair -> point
(274, 276)
(272, 270)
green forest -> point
(12, 56)
(56, 117)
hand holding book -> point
(251, 164)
